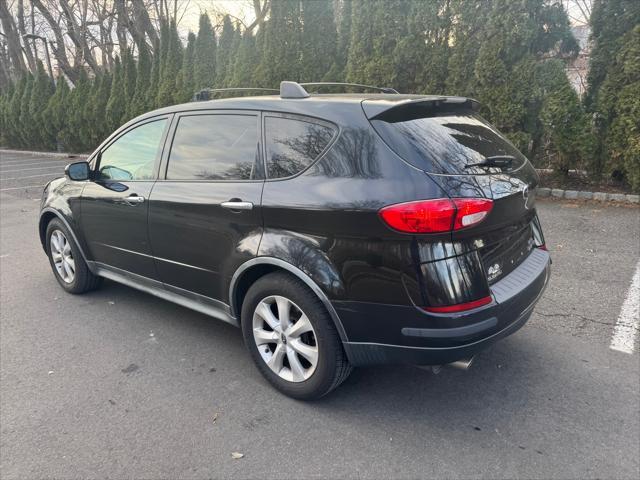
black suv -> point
(336, 230)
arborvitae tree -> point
(185, 80)
(13, 113)
(245, 62)
(281, 46)
(42, 91)
(612, 92)
(565, 126)
(318, 41)
(129, 74)
(232, 59)
(98, 108)
(170, 69)
(363, 33)
(223, 53)
(152, 91)
(26, 120)
(138, 104)
(619, 101)
(337, 72)
(57, 113)
(116, 106)
(77, 132)
(204, 55)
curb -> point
(581, 195)
(45, 154)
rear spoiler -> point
(394, 110)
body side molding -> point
(293, 270)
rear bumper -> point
(383, 334)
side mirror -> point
(77, 171)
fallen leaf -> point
(237, 455)
(215, 417)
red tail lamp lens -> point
(434, 216)
(460, 307)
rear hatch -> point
(446, 138)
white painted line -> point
(34, 161)
(28, 176)
(35, 168)
(626, 328)
(21, 188)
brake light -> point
(434, 216)
(460, 307)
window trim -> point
(258, 162)
(97, 157)
(302, 118)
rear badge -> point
(494, 271)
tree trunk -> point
(13, 40)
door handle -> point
(134, 199)
(237, 205)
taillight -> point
(434, 216)
(460, 307)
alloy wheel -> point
(62, 256)
(285, 338)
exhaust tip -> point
(463, 364)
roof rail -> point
(206, 93)
(340, 84)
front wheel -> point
(291, 338)
(69, 268)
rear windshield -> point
(447, 143)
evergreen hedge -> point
(508, 55)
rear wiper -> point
(498, 161)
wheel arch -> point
(253, 269)
(48, 214)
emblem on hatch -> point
(494, 271)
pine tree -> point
(232, 58)
(98, 108)
(152, 91)
(318, 41)
(204, 55)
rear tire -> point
(67, 263)
(299, 352)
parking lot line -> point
(35, 168)
(20, 188)
(29, 176)
(626, 328)
(30, 163)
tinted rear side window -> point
(447, 142)
(293, 145)
(214, 147)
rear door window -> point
(447, 142)
(294, 144)
(214, 147)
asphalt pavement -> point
(117, 383)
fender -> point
(60, 216)
(294, 271)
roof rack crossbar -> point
(341, 84)
(205, 93)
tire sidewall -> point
(56, 224)
(321, 379)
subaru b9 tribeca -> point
(336, 230)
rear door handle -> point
(237, 205)
(134, 199)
